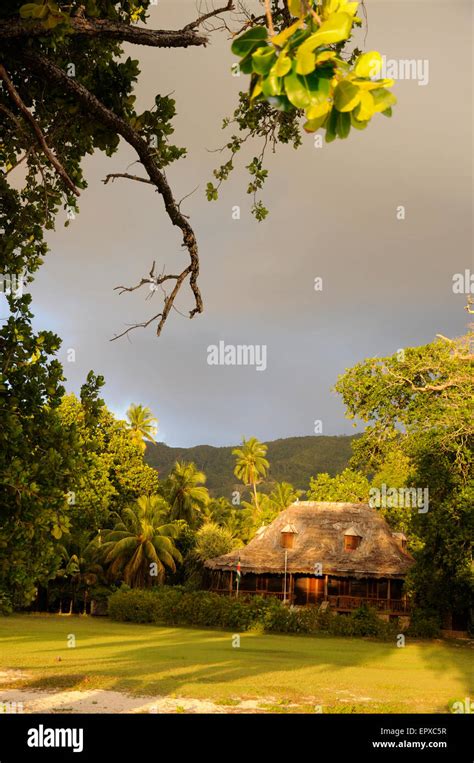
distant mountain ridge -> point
(292, 459)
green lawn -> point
(370, 676)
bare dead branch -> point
(168, 304)
(16, 98)
(134, 326)
(206, 16)
(126, 175)
(152, 281)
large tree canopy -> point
(68, 90)
(419, 406)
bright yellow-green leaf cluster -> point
(46, 11)
(301, 67)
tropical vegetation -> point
(113, 523)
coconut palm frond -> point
(146, 539)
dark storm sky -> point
(387, 283)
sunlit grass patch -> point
(285, 673)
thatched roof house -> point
(322, 546)
(322, 529)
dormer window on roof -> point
(287, 536)
(401, 540)
(352, 539)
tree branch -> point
(152, 280)
(112, 176)
(15, 29)
(205, 16)
(15, 96)
(268, 13)
(92, 105)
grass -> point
(341, 675)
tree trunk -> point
(254, 486)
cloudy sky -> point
(387, 283)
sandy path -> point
(103, 701)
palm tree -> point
(139, 540)
(67, 572)
(186, 493)
(251, 464)
(283, 495)
(217, 510)
(80, 569)
(142, 424)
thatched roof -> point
(320, 534)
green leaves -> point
(46, 11)
(249, 41)
(282, 66)
(336, 29)
(281, 38)
(296, 91)
(272, 85)
(301, 68)
(366, 108)
(346, 96)
(343, 125)
(33, 11)
(263, 60)
(316, 122)
(368, 64)
(305, 91)
(211, 192)
(383, 99)
(305, 61)
(296, 8)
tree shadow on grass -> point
(444, 657)
(154, 660)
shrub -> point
(132, 606)
(282, 619)
(366, 622)
(424, 624)
(6, 607)
(213, 540)
(178, 606)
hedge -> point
(176, 606)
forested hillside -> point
(292, 459)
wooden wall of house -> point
(308, 589)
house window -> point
(275, 583)
(351, 542)
(372, 588)
(359, 588)
(382, 589)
